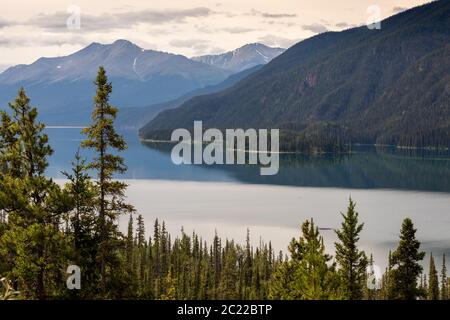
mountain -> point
(62, 86)
(387, 86)
(242, 58)
(122, 59)
(135, 118)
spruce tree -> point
(444, 280)
(32, 246)
(156, 256)
(130, 245)
(81, 219)
(405, 264)
(103, 139)
(433, 282)
(141, 257)
(248, 265)
(140, 231)
(352, 262)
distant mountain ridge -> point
(388, 86)
(62, 86)
(242, 58)
(122, 59)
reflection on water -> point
(364, 168)
(274, 212)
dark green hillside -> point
(136, 117)
(359, 85)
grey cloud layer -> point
(315, 27)
(272, 15)
(41, 40)
(200, 46)
(56, 22)
(4, 23)
(189, 43)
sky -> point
(30, 29)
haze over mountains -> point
(388, 86)
(62, 87)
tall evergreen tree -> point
(444, 280)
(352, 262)
(103, 139)
(140, 231)
(130, 244)
(248, 265)
(32, 245)
(405, 264)
(156, 256)
(433, 281)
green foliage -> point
(433, 282)
(188, 268)
(444, 280)
(351, 261)
(80, 223)
(356, 86)
(109, 201)
(311, 274)
(31, 246)
(45, 228)
(405, 268)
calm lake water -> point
(387, 184)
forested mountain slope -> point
(360, 85)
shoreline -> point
(375, 145)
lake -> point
(387, 184)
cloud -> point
(56, 22)
(254, 12)
(32, 40)
(278, 15)
(280, 23)
(277, 41)
(345, 25)
(165, 16)
(199, 45)
(5, 23)
(399, 9)
(186, 43)
(315, 27)
(233, 30)
(237, 30)
(216, 50)
(342, 25)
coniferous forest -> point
(46, 227)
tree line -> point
(46, 227)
